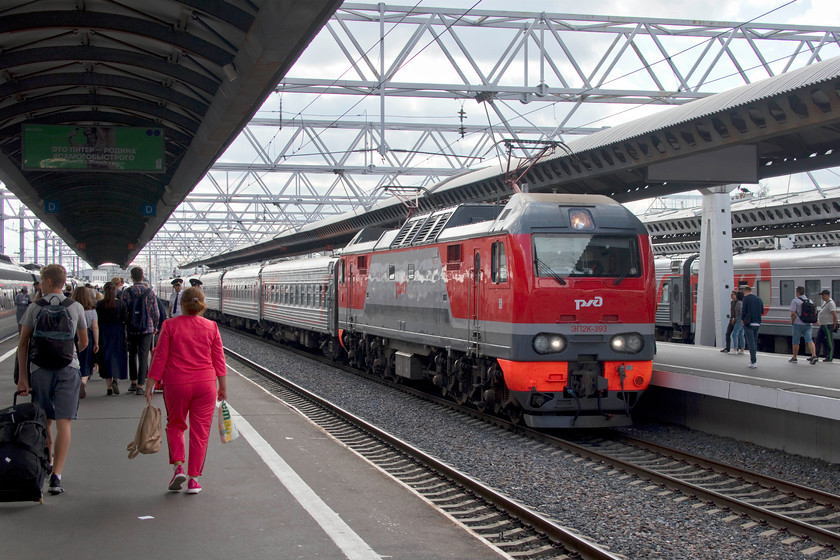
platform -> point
(794, 407)
(304, 495)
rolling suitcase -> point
(24, 455)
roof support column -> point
(716, 271)
(22, 257)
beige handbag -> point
(148, 436)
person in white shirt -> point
(175, 298)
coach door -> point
(675, 289)
(475, 305)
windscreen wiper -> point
(541, 265)
(621, 278)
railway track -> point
(784, 506)
(512, 528)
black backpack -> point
(53, 336)
(138, 313)
(808, 314)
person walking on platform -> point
(142, 320)
(738, 338)
(827, 320)
(87, 357)
(55, 389)
(22, 301)
(113, 355)
(733, 319)
(175, 298)
(189, 361)
(801, 329)
(752, 308)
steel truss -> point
(486, 75)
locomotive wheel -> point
(514, 414)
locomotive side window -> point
(391, 272)
(411, 271)
(361, 264)
(341, 272)
(498, 271)
(586, 255)
(666, 293)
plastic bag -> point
(227, 430)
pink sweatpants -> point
(199, 401)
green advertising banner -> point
(93, 148)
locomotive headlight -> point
(545, 343)
(630, 343)
(580, 219)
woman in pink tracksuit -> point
(189, 361)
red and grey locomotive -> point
(541, 309)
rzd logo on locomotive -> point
(594, 302)
(402, 288)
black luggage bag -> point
(24, 454)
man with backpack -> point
(48, 348)
(142, 321)
(803, 314)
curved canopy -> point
(103, 81)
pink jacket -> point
(189, 350)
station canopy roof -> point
(111, 112)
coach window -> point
(835, 285)
(411, 271)
(786, 293)
(812, 290)
(391, 272)
(763, 289)
(498, 272)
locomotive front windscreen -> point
(586, 255)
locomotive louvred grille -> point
(408, 231)
(432, 228)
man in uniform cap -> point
(194, 282)
(175, 298)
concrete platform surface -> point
(284, 490)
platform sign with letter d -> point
(149, 209)
(52, 207)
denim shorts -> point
(56, 391)
(802, 331)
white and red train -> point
(541, 309)
(773, 275)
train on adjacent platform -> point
(773, 276)
(541, 309)
(12, 278)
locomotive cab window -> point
(498, 271)
(586, 255)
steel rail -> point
(554, 532)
